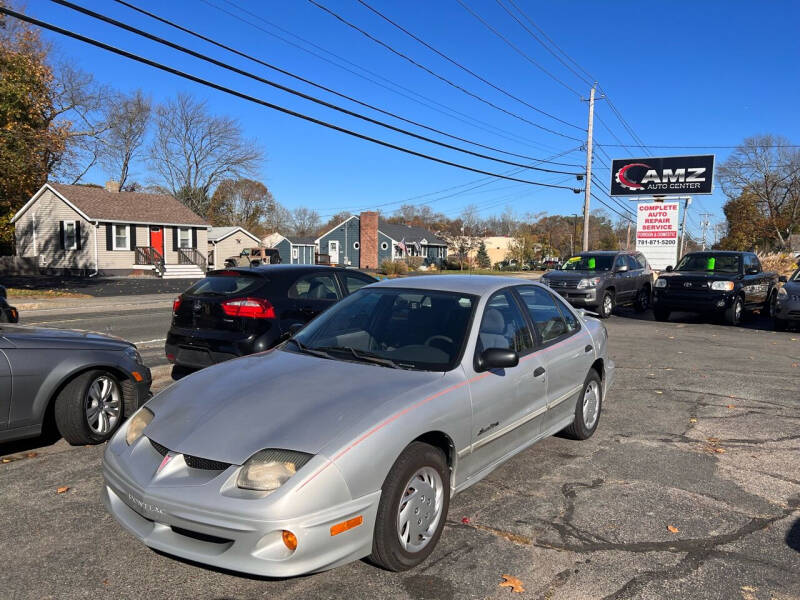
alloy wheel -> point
(103, 404)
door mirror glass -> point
(294, 328)
(498, 358)
(621, 268)
(752, 271)
(783, 279)
(669, 268)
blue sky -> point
(680, 73)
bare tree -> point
(241, 202)
(193, 150)
(767, 168)
(278, 220)
(128, 119)
(305, 221)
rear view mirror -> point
(783, 279)
(497, 358)
(669, 268)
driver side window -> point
(544, 313)
(503, 326)
(620, 262)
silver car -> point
(786, 307)
(348, 440)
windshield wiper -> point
(366, 356)
(313, 351)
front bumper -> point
(665, 299)
(188, 348)
(788, 310)
(196, 522)
(584, 298)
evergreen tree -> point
(483, 257)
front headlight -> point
(588, 283)
(544, 281)
(137, 424)
(132, 353)
(722, 286)
(661, 283)
(269, 469)
(782, 293)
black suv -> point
(234, 312)
(603, 279)
(8, 314)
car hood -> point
(277, 399)
(22, 336)
(570, 275)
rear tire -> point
(606, 306)
(734, 313)
(642, 302)
(770, 305)
(405, 488)
(587, 409)
(661, 315)
(89, 408)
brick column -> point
(368, 240)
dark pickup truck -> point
(603, 279)
(726, 283)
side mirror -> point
(621, 269)
(497, 358)
(752, 271)
(294, 328)
(783, 279)
(668, 269)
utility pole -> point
(686, 204)
(574, 235)
(705, 223)
(628, 237)
(587, 192)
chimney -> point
(368, 240)
(112, 186)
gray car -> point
(786, 307)
(83, 383)
(600, 280)
(349, 439)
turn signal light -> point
(345, 525)
(290, 540)
(176, 304)
(254, 308)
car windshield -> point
(589, 262)
(392, 327)
(225, 283)
(795, 276)
(707, 261)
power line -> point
(612, 198)
(289, 90)
(232, 92)
(312, 83)
(373, 77)
(463, 68)
(700, 147)
(435, 74)
(612, 209)
(516, 49)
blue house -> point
(294, 250)
(366, 241)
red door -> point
(157, 239)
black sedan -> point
(83, 383)
(235, 312)
(8, 314)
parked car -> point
(8, 313)
(786, 307)
(254, 257)
(717, 282)
(234, 312)
(85, 383)
(601, 280)
(349, 439)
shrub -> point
(782, 262)
(394, 267)
(414, 262)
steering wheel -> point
(438, 337)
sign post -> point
(657, 232)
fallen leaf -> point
(672, 529)
(465, 520)
(32, 454)
(712, 440)
(692, 420)
(6, 460)
(719, 450)
(731, 406)
(659, 392)
(62, 490)
(105, 581)
(672, 337)
(795, 365)
(514, 583)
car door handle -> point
(588, 348)
(539, 371)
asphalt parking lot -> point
(689, 489)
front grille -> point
(195, 462)
(563, 284)
(203, 537)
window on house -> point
(356, 245)
(70, 235)
(184, 237)
(384, 246)
(295, 253)
(121, 237)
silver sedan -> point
(349, 439)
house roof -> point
(217, 234)
(98, 204)
(302, 241)
(399, 232)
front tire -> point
(414, 500)
(587, 409)
(88, 409)
(606, 305)
(734, 313)
(661, 315)
(642, 302)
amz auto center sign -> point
(657, 232)
(665, 176)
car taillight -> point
(176, 304)
(255, 308)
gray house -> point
(226, 242)
(90, 230)
(294, 250)
(366, 241)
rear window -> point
(230, 283)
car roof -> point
(721, 252)
(465, 284)
(267, 269)
(608, 252)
